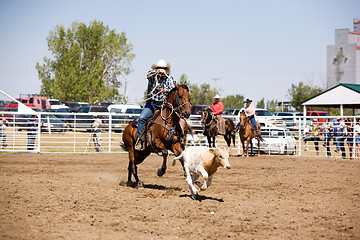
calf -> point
(202, 160)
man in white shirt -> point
(250, 113)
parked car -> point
(51, 123)
(102, 104)
(84, 104)
(317, 114)
(231, 111)
(194, 119)
(292, 119)
(276, 141)
(56, 104)
(37, 101)
(63, 114)
(120, 121)
(75, 106)
(264, 117)
(85, 115)
(14, 104)
(122, 108)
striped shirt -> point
(155, 82)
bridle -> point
(177, 110)
(245, 119)
(203, 122)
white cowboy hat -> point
(217, 96)
(161, 64)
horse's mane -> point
(183, 86)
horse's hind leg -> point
(161, 171)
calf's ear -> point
(214, 151)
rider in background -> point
(96, 129)
(250, 113)
(217, 107)
(159, 86)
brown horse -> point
(164, 132)
(247, 133)
(211, 129)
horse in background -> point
(211, 130)
(247, 133)
(162, 132)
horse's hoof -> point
(139, 184)
(161, 172)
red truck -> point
(35, 101)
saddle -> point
(146, 134)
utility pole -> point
(216, 79)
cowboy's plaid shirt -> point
(155, 83)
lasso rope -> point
(141, 101)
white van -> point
(122, 108)
(56, 104)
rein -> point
(172, 108)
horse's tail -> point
(177, 158)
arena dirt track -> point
(68, 196)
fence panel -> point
(72, 133)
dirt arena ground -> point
(78, 196)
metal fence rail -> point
(70, 133)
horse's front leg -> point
(251, 145)
(161, 171)
(243, 145)
(247, 147)
(209, 141)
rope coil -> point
(136, 82)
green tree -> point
(233, 101)
(261, 103)
(183, 79)
(272, 106)
(87, 63)
(301, 92)
(202, 95)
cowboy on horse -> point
(217, 107)
(159, 86)
(250, 113)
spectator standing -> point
(350, 135)
(341, 133)
(96, 129)
(3, 124)
(314, 135)
(33, 124)
(357, 139)
(335, 124)
(328, 131)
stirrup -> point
(138, 144)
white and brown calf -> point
(202, 160)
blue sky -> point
(254, 48)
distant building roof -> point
(345, 94)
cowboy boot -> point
(139, 145)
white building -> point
(343, 58)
